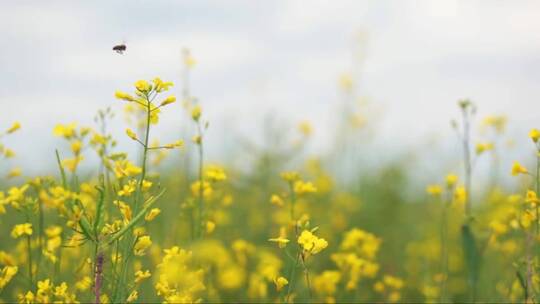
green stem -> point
(444, 248)
(201, 187)
(467, 159)
(30, 264)
(308, 282)
(292, 274)
(126, 252)
(293, 201)
(537, 189)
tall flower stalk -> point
(146, 93)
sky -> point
(259, 57)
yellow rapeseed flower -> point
(143, 86)
(517, 169)
(152, 214)
(196, 112)
(124, 96)
(14, 127)
(301, 187)
(290, 176)
(483, 147)
(311, 243)
(21, 229)
(131, 134)
(280, 283)
(141, 275)
(534, 134)
(451, 180)
(434, 190)
(281, 240)
(168, 100)
(142, 244)
(277, 200)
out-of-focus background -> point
(410, 60)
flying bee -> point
(120, 48)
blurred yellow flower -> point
(434, 190)
(131, 134)
(534, 134)
(301, 187)
(310, 243)
(21, 229)
(451, 180)
(14, 127)
(143, 86)
(517, 169)
(280, 283)
(168, 100)
(281, 240)
(196, 112)
(277, 200)
(142, 244)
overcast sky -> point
(57, 65)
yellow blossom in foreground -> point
(84, 284)
(7, 273)
(21, 229)
(393, 282)
(301, 187)
(134, 295)
(451, 180)
(534, 134)
(483, 147)
(141, 275)
(124, 168)
(206, 189)
(326, 282)
(280, 283)
(168, 100)
(151, 215)
(197, 139)
(196, 112)
(281, 240)
(497, 122)
(177, 144)
(146, 185)
(15, 172)
(128, 188)
(210, 227)
(66, 131)
(215, 173)
(143, 86)
(434, 190)
(311, 243)
(124, 96)
(277, 200)
(290, 176)
(14, 127)
(460, 195)
(160, 85)
(131, 134)
(305, 128)
(517, 169)
(532, 197)
(142, 244)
